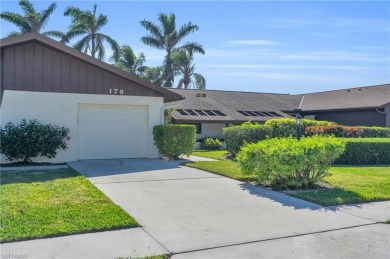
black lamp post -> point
(299, 122)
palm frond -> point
(100, 48)
(82, 45)
(154, 30)
(200, 81)
(192, 47)
(153, 42)
(101, 21)
(185, 30)
(27, 7)
(56, 34)
(13, 34)
(45, 14)
(113, 44)
(17, 20)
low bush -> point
(366, 151)
(289, 163)
(173, 140)
(211, 144)
(285, 127)
(236, 136)
(335, 130)
(374, 132)
(31, 139)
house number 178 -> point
(116, 91)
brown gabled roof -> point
(48, 42)
(353, 98)
(229, 103)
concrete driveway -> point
(189, 211)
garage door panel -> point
(112, 131)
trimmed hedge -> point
(236, 136)
(31, 139)
(289, 163)
(335, 130)
(374, 132)
(173, 140)
(285, 127)
(366, 151)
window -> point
(260, 114)
(200, 112)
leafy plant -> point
(237, 136)
(336, 130)
(374, 132)
(289, 163)
(211, 144)
(286, 127)
(366, 151)
(173, 140)
(32, 139)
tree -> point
(166, 37)
(129, 62)
(154, 75)
(186, 69)
(31, 20)
(87, 24)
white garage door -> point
(112, 131)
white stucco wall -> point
(62, 109)
(213, 130)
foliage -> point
(154, 75)
(225, 167)
(31, 139)
(31, 20)
(173, 140)
(166, 37)
(88, 24)
(185, 69)
(336, 130)
(351, 185)
(366, 151)
(236, 136)
(374, 132)
(54, 203)
(289, 163)
(286, 127)
(211, 144)
(129, 62)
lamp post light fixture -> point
(299, 122)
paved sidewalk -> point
(375, 211)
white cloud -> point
(254, 42)
(334, 55)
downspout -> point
(169, 105)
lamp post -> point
(299, 122)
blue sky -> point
(261, 46)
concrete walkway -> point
(195, 214)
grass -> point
(352, 184)
(54, 203)
(214, 154)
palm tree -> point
(154, 75)
(31, 20)
(87, 24)
(129, 62)
(166, 37)
(185, 68)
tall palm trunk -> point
(93, 50)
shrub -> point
(375, 132)
(211, 144)
(32, 139)
(173, 140)
(366, 151)
(289, 163)
(236, 136)
(286, 127)
(336, 130)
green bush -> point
(366, 151)
(173, 140)
(211, 144)
(289, 163)
(285, 127)
(374, 132)
(32, 139)
(236, 136)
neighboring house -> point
(110, 113)
(212, 110)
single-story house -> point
(110, 113)
(212, 110)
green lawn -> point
(54, 203)
(352, 184)
(215, 154)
